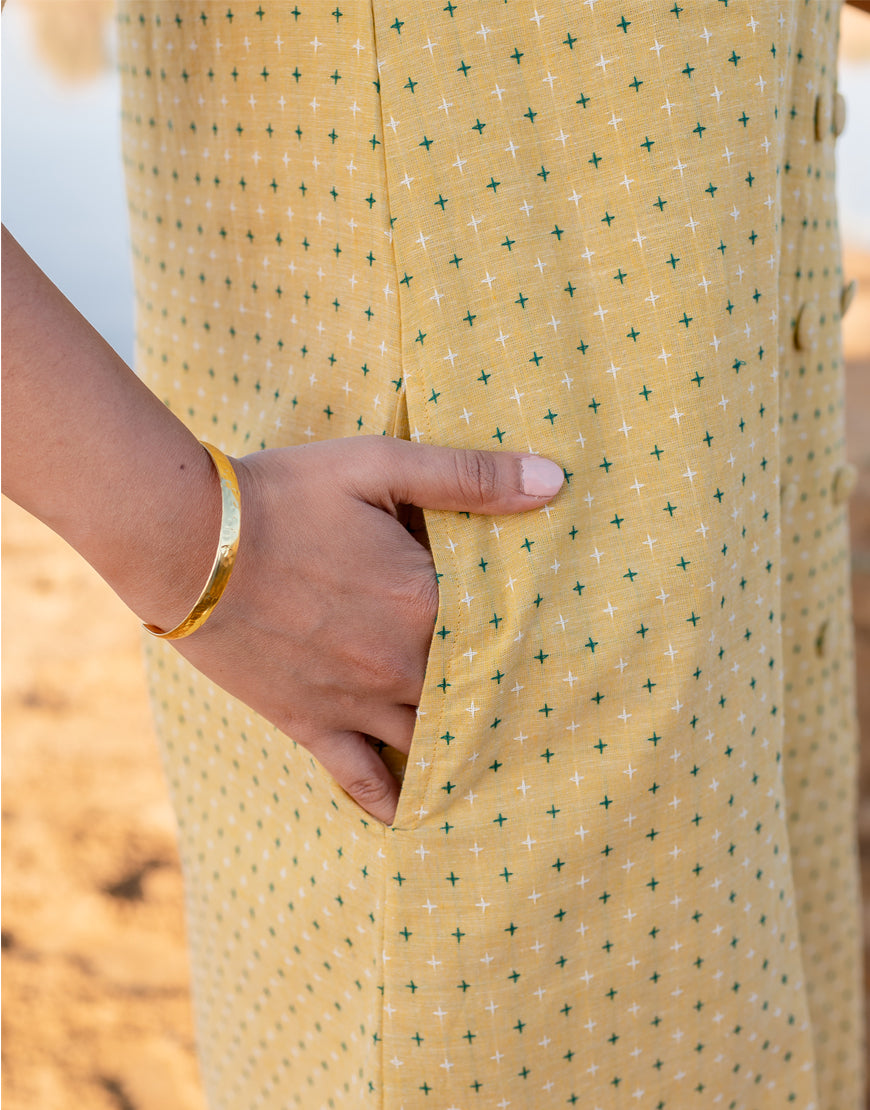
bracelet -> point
(228, 545)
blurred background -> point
(95, 982)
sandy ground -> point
(95, 1003)
(95, 982)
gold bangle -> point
(228, 545)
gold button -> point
(805, 326)
(839, 116)
(848, 295)
(822, 115)
(788, 494)
(844, 482)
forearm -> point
(93, 453)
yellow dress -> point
(623, 869)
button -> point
(822, 115)
(848, 294)
(826, 638)
(788, 494)
(805, 326)
(844, 482)
(839, 114)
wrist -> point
(161, 550)
(225, 555)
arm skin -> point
(325, 625)
(94, 454)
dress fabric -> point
(623, 868)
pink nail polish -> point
(541, 477)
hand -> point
(326, 624)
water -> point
(63, 194)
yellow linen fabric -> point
(623, 871)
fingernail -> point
(541, 477)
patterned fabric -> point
(623, 868)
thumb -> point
(486, 482)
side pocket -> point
(415, 770)
(425, 740)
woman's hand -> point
(326, 623)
